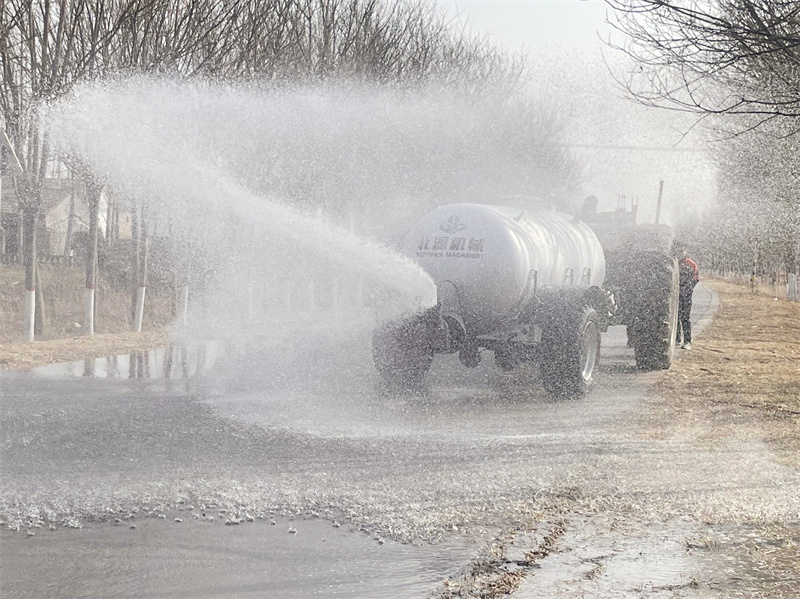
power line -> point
(636, 148)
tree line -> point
(47, 46)
(736, 65)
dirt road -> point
(717, 513)
(477, 486)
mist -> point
(258, 186)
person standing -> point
(689, 276)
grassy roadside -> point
(39, 353)
(746, 364)
(63, 341)
(749, 355)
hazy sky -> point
(533, 22)
(619, 140)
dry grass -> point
(749, 355)
(63, 290)
(745, 368)
(62, 340)
(38, 353)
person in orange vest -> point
(689, 276)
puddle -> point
(233, 358)
(198, 559)
(603, 562)
(172, 362)
(670, 559)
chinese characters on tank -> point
(450, 247)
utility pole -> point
(660, 195)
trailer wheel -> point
(470, 355)
(655, 318)
(571, 353)
(402, 354)
(505, 360)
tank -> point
(526, 285)
(493, 259)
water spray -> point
(206, 155)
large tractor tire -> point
(654, 313)
(571, 353)
(402, 354)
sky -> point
(626, 148)
(533, 22)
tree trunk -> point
(134, 256)
(93, 200)
(110, 209)
(2, 173)
(140, 292)
(40, 314)
(70, 222)
(116, 222)
(21, 237)
(183, 305)
(29, 215)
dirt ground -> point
(745, 364)
(740, 384)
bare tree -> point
(738, 59)
(760, 184)
(48, 45)
(379, 40)
(713, 57)
(44, 47)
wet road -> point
(304, 435)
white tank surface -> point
(496, 256)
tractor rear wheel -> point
(655, 314)
(571, 353)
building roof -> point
(54, 191)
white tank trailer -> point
(526, 285)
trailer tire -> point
(655, 316)
(470, 355)
(402, 354)
(571, 352)
(505, 360)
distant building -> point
(64, 212)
